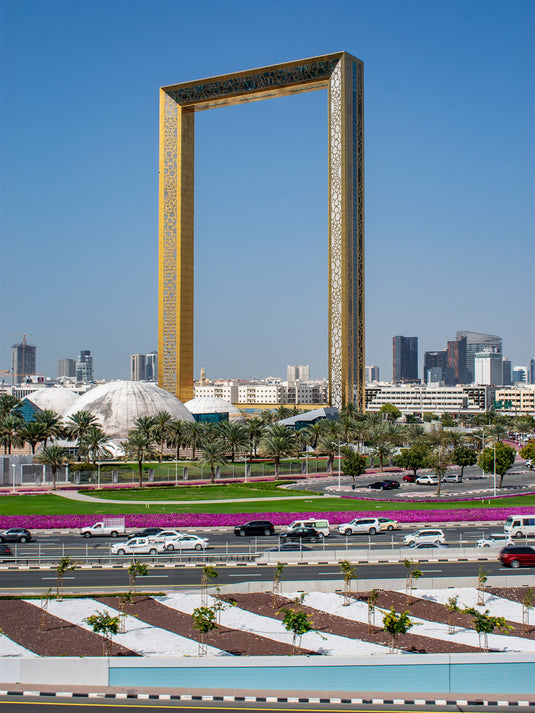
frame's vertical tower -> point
(342, 74)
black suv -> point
(302, 534)
(15, 534)
(255, 527)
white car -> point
(186, 542)
(426, 535)
(360, 526)
(452, 478)
(495, 539)
(386, 523)
(427, 480)
(165, 535)
(137, 546)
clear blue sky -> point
(450, 188)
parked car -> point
(517, 556)
(146, 532)
(384, 485)
(392, 483)
(186, 542)
(16, 534)
(255, 527)
(137, 546)
(529, 464)
(386, 523)
(494, 539)
(427, 480)
(303, 534)
(360, 526)
(425, 535)
(452, 478)
(5, 551)
(409, 477)
(289, 547)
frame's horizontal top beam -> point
(254, 84)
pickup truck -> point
(137, 546)
(107, 527)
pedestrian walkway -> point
(88, 498)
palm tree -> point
(54, 457)
(9, 427)
(162, 420)
(139, 447)
(51, 423)
(213, 454)
(77, 426)
(194, 435)
(255, 429)
(212, 431)
(348, 425)
(31, 433)
(278, 443)
(328, 446)
(145, 424)
(7, 404)
(94, 444)
(382, 450)
(316, 429)
(176, 434)
(234, 435)
(413, 432)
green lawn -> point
(199, 492)
(55, 505)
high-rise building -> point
(437, 360)
(405, 359)
(477, 343)
(137, 367)
(457, 359)
(151, 366)
(507, 372)
(371, 373)
(488, 368)
(23, 361)
(532, 371)
(297, 372)
(84, 367)
(520, 375)
(66, 367)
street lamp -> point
(245, 469)
(339, 465)
(98, 475)
(494, 468)
(13, 466)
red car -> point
(409, 478)
(517, 556)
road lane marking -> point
(431, 570)
(249, 574)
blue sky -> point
(450, 178)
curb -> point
(274, 699)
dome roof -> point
(118, 403)
(55, 399)
(212, 404)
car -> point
(517, 556)
(428, 546)
(5, 551)
(452, 478)
(16, 534)
(392, 483)
(529, 464)
(303, 534)
(322, 526)
(426, 535)
(427, 480)
(384, 485)
(289, 547)
(165, 535)
(255, 527)
(409, 477)
(146, 532)
(359, 526)
(495, 538)
(386, 523)
(137, 546)
(186, 542)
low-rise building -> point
(432, 398)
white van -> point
(519, 526)
(322, 526)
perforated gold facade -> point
(342, 75)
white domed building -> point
(55, 398)
(208, 408)
(117, 404)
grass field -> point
(51, 504)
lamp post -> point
(98, 475)
(339, 466)
(494, 468)
(245, 469)
(14, 467)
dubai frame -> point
(342, 75)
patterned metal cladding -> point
(343, 75)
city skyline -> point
(449, 217)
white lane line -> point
(431, 570)
(329, 572)
(155, 576)
(249, 574)
(55, 578)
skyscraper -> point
(151, 366)
(476, 343)
(405, 358)
(457, 359)
(532, 371)
(137, 367)
(84, 367)
(66, 367)
(23, 361)
(297, 372)
(371, 373)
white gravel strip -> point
(8, 648)
(497, 606)
(358, 611)
(243, 620)
(140, 637)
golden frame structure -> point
(343, 76)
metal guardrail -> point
(109, 560)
